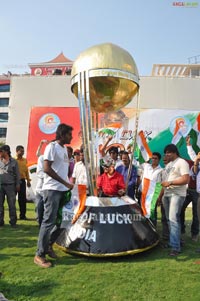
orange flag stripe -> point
(198, 122)
(144, 142)
(145, 189)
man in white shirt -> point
(196, 171)
(191, 197)
(151, 171)
(38, 190)
(56, 183)
(175, 188)
(79, 175)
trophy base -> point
(108, 227)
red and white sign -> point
(43, 125)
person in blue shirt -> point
(124, 170)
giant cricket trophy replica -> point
(104, 79)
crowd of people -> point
(14, 178)
(61, 167)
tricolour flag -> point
(150, 193)
(196, 127)
(111, 129)
(73, 205)
(144, 151)
(82, 193)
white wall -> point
(31, 91)
(170, 93)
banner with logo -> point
(43, 124)
(160, 127)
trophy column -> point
(104, 79)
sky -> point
(152, 31)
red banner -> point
(43, 125)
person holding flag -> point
(192, 195)
(195, 134)
(150, 186)
(196, 172)
(144, 152)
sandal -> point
(174, 253)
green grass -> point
(150, 275)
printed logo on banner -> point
(180, 125)
(48, 123)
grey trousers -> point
(48, 230)
(9, 191)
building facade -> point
(4, 106)
(60, 65)
(48, 89)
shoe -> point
(3, 298)
(198, 250)
(2, 224)
(24, 218)
(174, 253)
(13, 226)
(164, 244)
(195, 238)
(165, 238)
(51, 253)
(42, 262)
(183, 230)
(182, 242)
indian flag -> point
(144, 151)
(73, 205)
(32, 168)
(111, 129)
(150, 193)
(196, 127)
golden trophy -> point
(104, 79)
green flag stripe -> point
(157, 191)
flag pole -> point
(134, 138)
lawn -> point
(150, 275)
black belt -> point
(6, 184)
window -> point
(3, 132)
(5, 88)
(195, 72)
(3, 117)
(4, 102)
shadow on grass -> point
(188, 253)
(22, 237)
(27, 291)
(18, 240)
